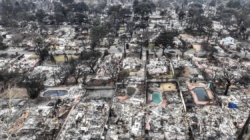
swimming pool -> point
(201, 94)
(156, 97)
(54, 93)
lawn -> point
(122, 30)
(151, 46)
(15, 93)
(161, 77)
(51, 47)
(33, 56)
(186, 35)
(130, 91)
(60, 58)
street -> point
(119, 49)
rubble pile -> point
(213, 122)
(16, 65)
(75, 92)
(108, 66)
(40, 115)
(132, 63)
(167, 121)
(10, 110)
(87, 120)
(49, 72)
(177, 63)
(126, 120)
(158, 66)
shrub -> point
(4, 55)
(3, 46)
(130, 91)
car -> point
(171, 51)
(229, 52)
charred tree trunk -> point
(141, 53)
(76, 79)
(124, 48)
(163, 49)
(227, 86)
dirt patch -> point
(197, 47)
(141, 88)
(168, 87)
(15, 93)
(71, 80)
(187, 72)
(99, 82)
(131, 54)
(61, 59)
(186, 36)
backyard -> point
(61, 59)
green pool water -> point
(156, 97)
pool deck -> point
(167, 87)
(163, 88)
(209, 93)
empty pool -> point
(156, 97)
(201, 94)
(54, 93)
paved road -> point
(114, 49)
(119, 49)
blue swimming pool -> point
(54, 93)
(201, 94)
(156, 97)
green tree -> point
(142, 25)
(181, 15)
(143, 9)
(130, 27)
(123, 12)
(81, 18)
(202, 23)
(205, 46)
(67, 1)
(166, 39)
(7, 8)
(234, 4)
(114, 11)
(135, 3)
(212, 3)
(81, 7)
(33, 84)
(110, 39)
(195, 10)
(2, 45)
(97, 33)
(6, 76)
(123, 75)
(40, 14)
